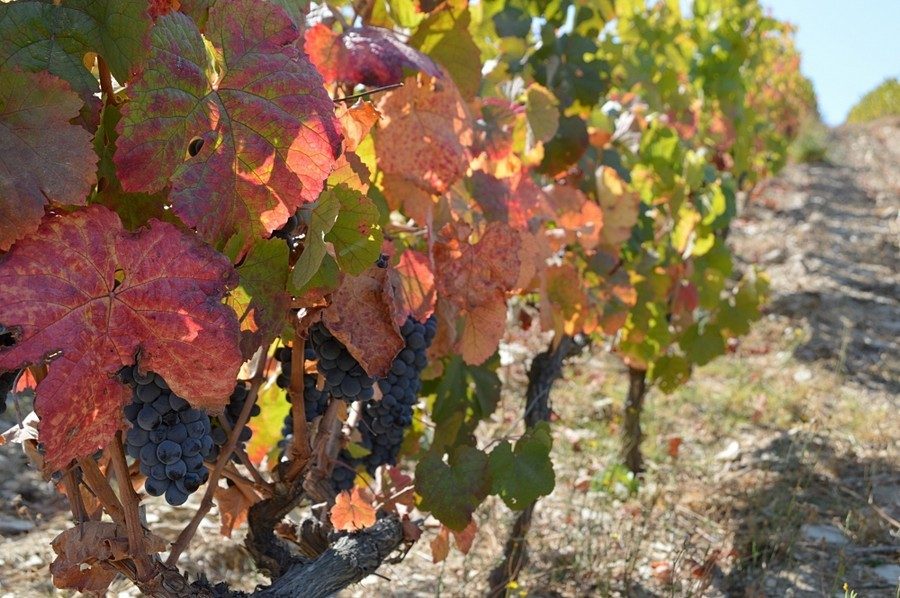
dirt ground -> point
(774, 472)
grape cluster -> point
(168, 437)
(344, 472)
(344, 377)
(232, 413)
(383, 422)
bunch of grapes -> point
(344, 377)
(383, 422)
(168, 437)
(344, 472)
(232, 413)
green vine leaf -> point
(452, 491)
(356, 236)
(445, 37)
(39, 36)
(522, 473)
(321, 220)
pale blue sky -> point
(848, 47)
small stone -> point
(12, 525)
(803, 375)
(731, 452)
(824, 533)
(889, 572)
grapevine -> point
(343, 210)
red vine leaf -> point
(416, 283)
(364, 315)
(396, 489)
(84, 554)
(619, 204)
(474, 279)
(352, 511)
(404, 196)
(357, 121)
(516, 200)
(424, 133)
(233, 506)
(158, 8)
(364, 56)
(564, 304)
(243, 150)
(440, 545)
(89, 295)
(466, 538)
(44, 157)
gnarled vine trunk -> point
(631, 421)
(545, 370)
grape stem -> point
(367, 92)
(75, 502)
(184, 538)
(245, 459)
(97, 483)
(245, 485)
(106, 82)
(130, 505)
(300, 444)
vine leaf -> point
(352, 511)
(620, 207)
(356, 236)
(466, 537)
(242, 150)
(321, 220)
(85, 551)
(416, 283)
(521, 474)
(565, 307)
(424, 134)
(267, 426)
(440, 545)
(452, 491)
(88, 295)
(356, 122)
(233, 504)
(445, 37)
(44, 157)
(54, 37)
(365, 315)
(541, 113)
(261, 300)
(364, 56)
(475, 278)
(396, 489)
(516, 200)
(135, 209)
